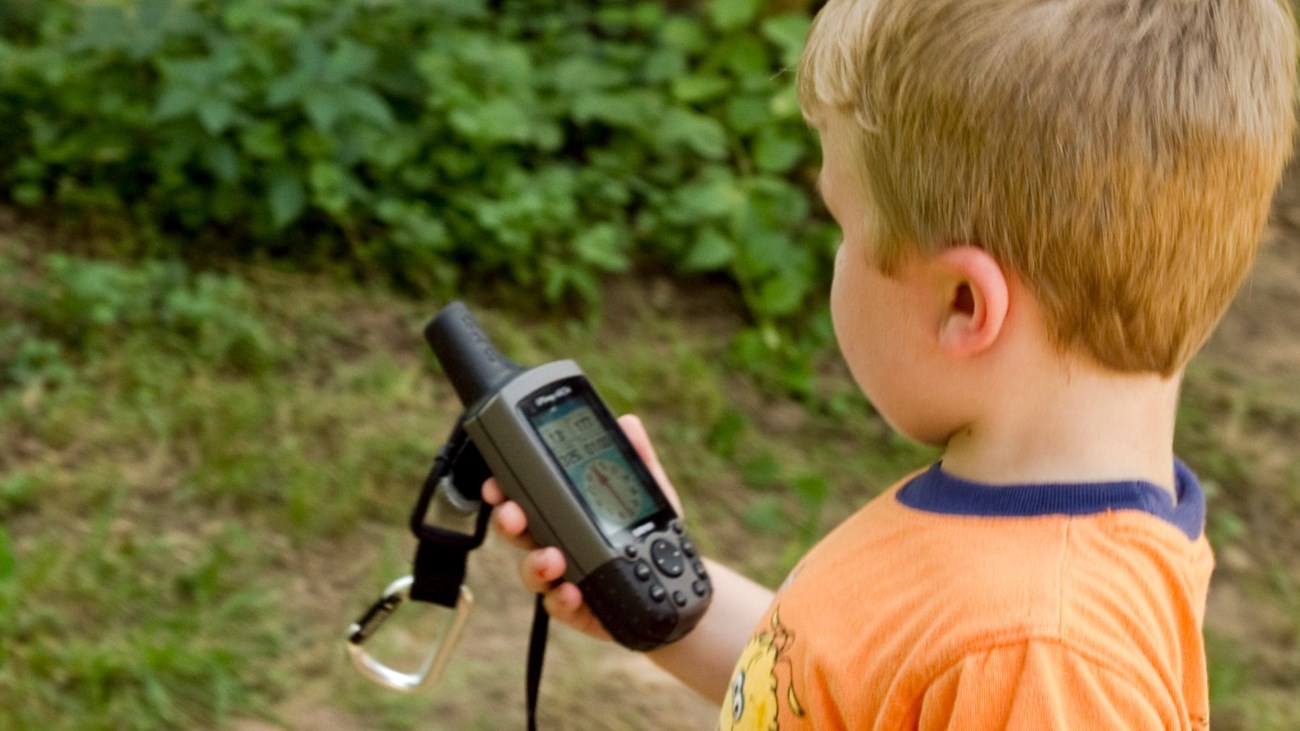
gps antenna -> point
(472, 363)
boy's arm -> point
(704, 659)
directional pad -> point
(667, 558)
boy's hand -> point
(542, 569)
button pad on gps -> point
(657, 587)
(667, 558)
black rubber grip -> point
(626, 607)
(473, 364)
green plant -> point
(444, 145)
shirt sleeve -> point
(1042, 685)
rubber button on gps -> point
(667, 557)
(658, 593)
(641, 571)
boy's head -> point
(1118, 156)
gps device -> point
(557, 451)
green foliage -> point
(442, 144)
(78, 306)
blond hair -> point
(1119, 155)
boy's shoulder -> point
(1002, 566)
(898, 599)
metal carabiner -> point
(435, 661)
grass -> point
(204, 477)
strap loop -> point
(451, 495)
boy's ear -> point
(976, 291)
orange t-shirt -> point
(947, 604)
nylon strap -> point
(442, 554)
(536, 654)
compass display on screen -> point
(612, 490)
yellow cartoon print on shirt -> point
(755, 686)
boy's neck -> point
(1081, 424)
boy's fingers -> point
(492, 492)
(645, 449)
(510, 523)
(541, 569)
(564, 604)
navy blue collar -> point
(937, 491)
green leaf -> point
(785, 103)
(176, 100)
(699, 88)
(560, 277)
(286, 196)
(782, 294)
(498, 120)
(553, 281)
(747, 59)
(732, 14)
(329, 185)
(788, 32)
(585, 282)
(710, 251)
(703, 135)
(712, 199)
(215, 114)
(684, 34)
(603, 245)
(584, 73)
(102, 27)
(349, 60)
(262, 140)
(648, 14)
(323, 110)
(747, 113)
(366, 104)
(663, 65)
(222, 161)
(288, 88)
(28, 194)
(775, 152)
(637, 109)
(762, 252)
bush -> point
(441, 144)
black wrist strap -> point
(442, 554)
(456, 482)
(536, 654)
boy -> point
(1046, 207)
